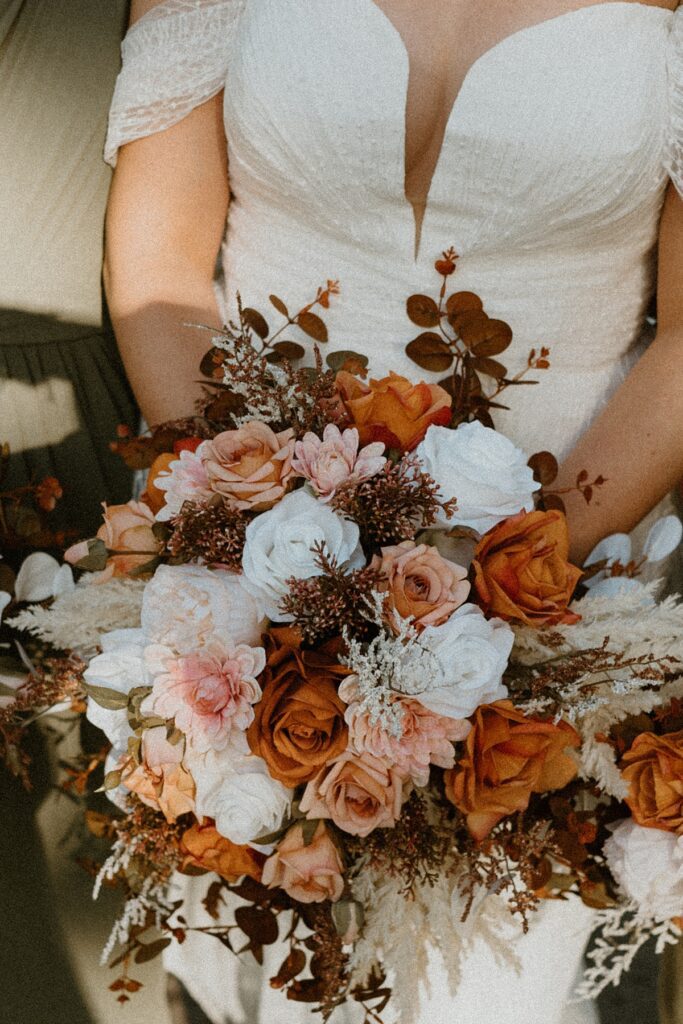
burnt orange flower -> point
(521, 569)
(507, 758)
(153, 496)
(299, 722)
(206, 848)
(48, 493)
(654, 772)
(393, 410)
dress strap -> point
(173, 59)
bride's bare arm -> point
(637, 441)
(165, 220)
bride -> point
(363, 138)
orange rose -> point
(206, 848)
(393, 410)
(521, 569)
(251, 467)
(127, 528)
(420, 585)
(154, 497)
(654, 772)
(309, 873)
(507, 758)
(299, 722)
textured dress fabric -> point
(549, 185)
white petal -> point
(615, 548)
(663, 538)
(612, 586)
(63, 581)
(5, 599)
(36, 577)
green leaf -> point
(112, 780)
(337, 360)
(97, 556)
(112, 700)
(309, 827)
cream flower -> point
(647, 864)
(120, 667)
(186, 480)
(483, 470)
(280, 546)
(184, 606)
(336, 460)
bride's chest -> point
(573, 109)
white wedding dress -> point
(549, 184)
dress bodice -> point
(549, 181)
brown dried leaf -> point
(292, 965)
(256, 322)
(310, 990)
(554, 501)
(258, 924)
(279, 305)
(471, 325)
(491, 367)
(463, 302)
(544, 467)
(430, 352)
(148, 952)
(497, 337)
(344, 359)
(313, 326)
(288, 350)
(422, 310)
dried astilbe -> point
(213, 533)
(323, 606)
(393, 505)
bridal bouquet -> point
(342, 666)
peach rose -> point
(358, 792)
(206, 848)
(251, 467)
(393, 410)
(420, 585)
(161, 780)
(654, 772)
(127, 534)
(521, 569)
(299, 721)
(308, 873)
(507, 758)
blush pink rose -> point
(420, 584)
(335, 460)
(426, 738)
(208, 693)
(358, 792)
(251, 467)
(127, 534)
(160, 780)
(185, 479)
(308, 873)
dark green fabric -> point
(36, 349)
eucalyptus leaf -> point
(112, 700)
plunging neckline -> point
(488, 54)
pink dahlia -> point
(335, 460)
(426, 738)
(186, 480)
(209, 693)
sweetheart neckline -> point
(373, 8)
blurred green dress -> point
(63, 390)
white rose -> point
(120, 667)
(647, 863)
(280, 542)
(484, 471)
(41, 577)
(237, 791)
(185, 605)
(472, 652)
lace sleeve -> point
(674, 142)
(173, 59)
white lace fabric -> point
(673, 153)
(173, 59)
